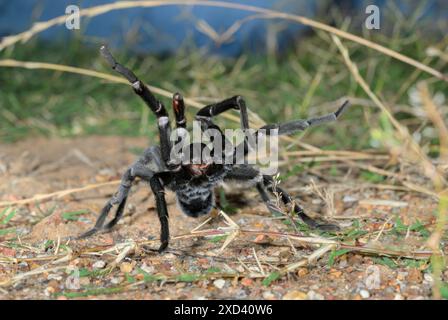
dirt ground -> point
(37, 260)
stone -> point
(364, 294)
(219, 283)
(295, 295)
(100, 264)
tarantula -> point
(194, 182)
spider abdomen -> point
(195, 202)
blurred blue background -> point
(164, 29)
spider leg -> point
(250, 175)
(162, 211)
(264, 183)
(268, 185)
(236, 102)
(244, 173)
(292, 126)
(206, 114)
(118, 215)
(143, 168)
(119, 198)
(137, 171)
(155, 105)
(179, 110)
(297, 125)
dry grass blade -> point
(234, 228)
(25, 275)
(57, 194)
(260, 267)
(127, 248)
(310, 259)
(226, 36)
(42, 269)
(267, 14)
(385, 203)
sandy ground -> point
(121, 265)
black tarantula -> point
(193, 183)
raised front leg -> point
(155, 105)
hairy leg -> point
(300, 125)
(119, 198)
(150, 158)
(268, 184)
(206, 114)
(265, 184)
(236, 102)
(162, 211)
(179, 110)
(155, 105)
(291, 127)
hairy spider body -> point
(194, 191)
(194, 181)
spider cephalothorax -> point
(193, 178)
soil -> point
(194, 267)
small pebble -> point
(302, 272)
(106, 172)
(147, 269)
(349, 199)
(335, 274)
(247, 282)
(169, 256)
(402, 275)
(414, 276)
(268, 295)
(240, 294)
(398, 297)
(240, 269)
(343, 263)
(126, 267)
(100, 264)
(295, 295)
(312, 295)
(115, 280)
(49, 291)
(219, 283)
(364, 294)
(428, 277)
